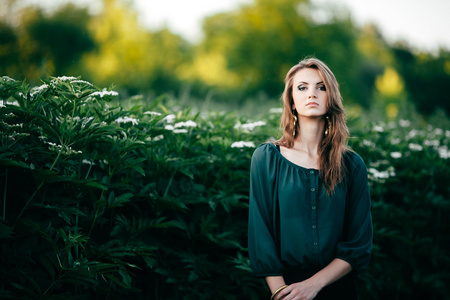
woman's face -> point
(309, 93)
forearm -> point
(337, 269)
(274, 282)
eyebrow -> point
(304, 82)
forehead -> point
(308, 75)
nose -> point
(312, 95)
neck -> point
(310, 135)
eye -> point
(322, 87)
(301, 87)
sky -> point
(422, 24)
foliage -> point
(260, 53)
(424, 75)
(240, 56)
(151, 203)
(131, 55)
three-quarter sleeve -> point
(262, 240)
(356, 246)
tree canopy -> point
(244, 52)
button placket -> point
(314, 212)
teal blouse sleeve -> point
(262, 242)
(356, 246)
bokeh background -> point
(127, 129)
(235, 51)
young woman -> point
(310, 227)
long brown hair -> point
(333, 146)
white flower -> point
(168, 127)
(443, 152)
(63, 149)
(105, 93)
(169, 118)
(396, 154)
(38, 89)
(415, 147)
(438, 131)
(276, 110)
(81, 81)
(15, 103)
(152, 113)
(412, 133)
(242, 144)
(180, 130)
(378, 128)
(250, 126)
(127, 120)
(396, 141)
(185, 124)
(88, 162)
(368, 143)
(67, 78)
(379, 174)
(8, 79)
(434, 143)
(158, 138)
(404, 123)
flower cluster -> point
(66, 150)
(133, 121)
(249, 126)
(82, 82)
(169, 118)
(242, 144)
(381, 176)
(105, 93)
(38, 90)
(178, 127)
(152, 113)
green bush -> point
(99, 201)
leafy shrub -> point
(102, 201)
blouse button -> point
(313, 189)
(315, 243)
(311, 172)
(313, 208)
(314, 226)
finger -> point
(284, 293)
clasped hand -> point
(305, 290)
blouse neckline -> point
(278, 151)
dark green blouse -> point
(294, 224)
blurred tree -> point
(62, 37)
(8, 45)
(425, 76)
(33, 44)
(260, 41)
(131, 56)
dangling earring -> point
(327, 130)
(294, 129)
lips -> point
(312, 104)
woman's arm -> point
(309, 288)
(274, 282)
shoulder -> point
(354, 162)
(264, 156)
(264, 151)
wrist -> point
(275, 293)
(318, 282)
